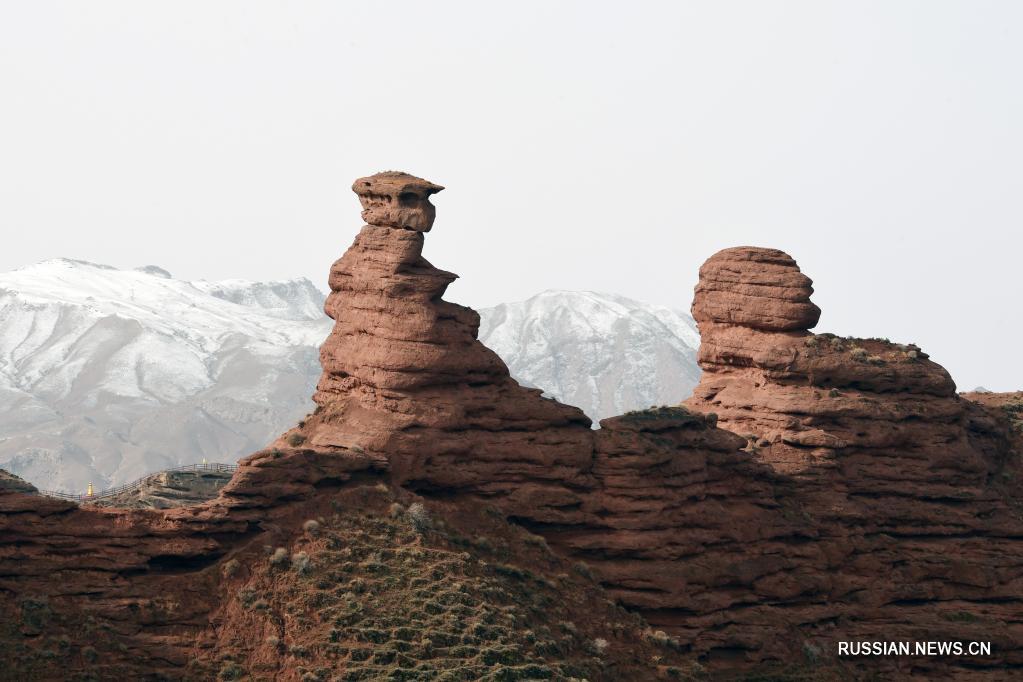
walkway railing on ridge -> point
(136, 484)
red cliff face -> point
(910, 492)
(839, 491)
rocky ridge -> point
(755, 528)
(11, 483)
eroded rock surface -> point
(909, 491)
(1001, 405)
(170, 489)
(406, 381)
(399, 200)
(813, 490)
(756, 288)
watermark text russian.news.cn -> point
(914, 648)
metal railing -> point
(138, 483)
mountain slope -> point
(107, 374)
(604, 353)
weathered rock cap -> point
(396, 199)
(754, 287)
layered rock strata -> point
(406, 381)
(170, 489)
(1001, 406)
(814, 489)
(909, 491)
(144, 588)
(715, 534)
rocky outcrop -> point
(902, 482)
(800, 396)
(406, 381)
(15, 484)
(726, 536)
(1001, 406)
(813, 490)
(170, 489)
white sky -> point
(585, 145)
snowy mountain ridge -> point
(108, 374)
(203, 309)
(604, 353)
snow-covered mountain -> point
(107, 375)
(604, 353)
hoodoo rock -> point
(405, 380)
(813, 490)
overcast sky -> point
(609, 146)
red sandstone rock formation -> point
(756, 288)
(841, 490)
(398, 200)
(803, 395)
(406, 381)
(902, 482)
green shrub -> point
(538, 541)
(279, 558)
(231, 671)
(35, 614)
(246, 596)
(583, 569)
(300, 562)
(419, 517)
